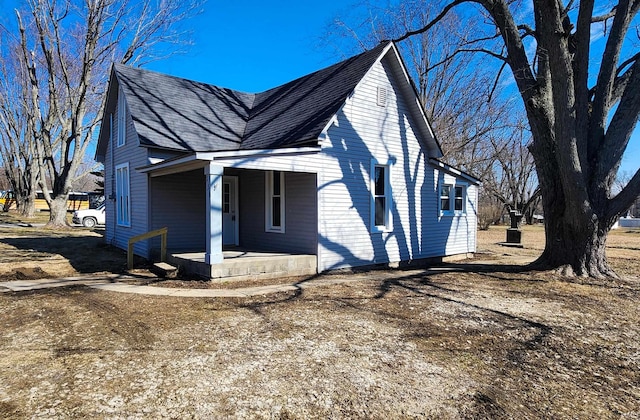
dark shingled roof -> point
(173, 113)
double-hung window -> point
(123, 201)
(122, 119)
(458, 198)
(274, 205)
(452, 199)
(380, 198)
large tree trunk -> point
(580, 130)
(58, 216)
(574, 244)
(575, 235)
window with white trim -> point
(452, 199)
(274, 205)
(123, 201)
(122, 119)
(380, 197)
(458, 198)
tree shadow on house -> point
(415, 228)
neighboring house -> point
(340, 164)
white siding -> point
(450, 234)
(136, 156)
(364, 133)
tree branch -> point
(622, 124)
(437, 19)
(464, 50)
(484, 51)
(602, 100)
(582, 38)
(496, 80)
(516, 53)
(527, 30)
(621, 202)
(604, 17)
(622, 81)
(627, 62)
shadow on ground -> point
(85, 252)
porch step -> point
(165, 270)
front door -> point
(230, 210)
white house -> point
(340, 165)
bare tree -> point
(462, 105)
(512, 179)
(490, 209)
(17, 134)
(580, 125)
(66, 48)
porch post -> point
(213, 176)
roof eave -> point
(103, 140)
(199, 160)
(455, 171)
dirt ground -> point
(475, 339)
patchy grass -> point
(28, 252)
(477, 339)
(623, 246)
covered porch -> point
(230, 220)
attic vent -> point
(381, 99)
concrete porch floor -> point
(239, 264)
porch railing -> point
(162, 232)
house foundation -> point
(240, 265)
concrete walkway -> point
(118, 282)
(111, 283)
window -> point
(458, 203)
(381, 197)
(445, 198)
(226, 197)
(122, 119)
(452, 199)
(274, 205)
(123, 203)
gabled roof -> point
(173, 113)
(183, 115)
(297, 112)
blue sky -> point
(253, 46)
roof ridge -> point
(171, 76)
